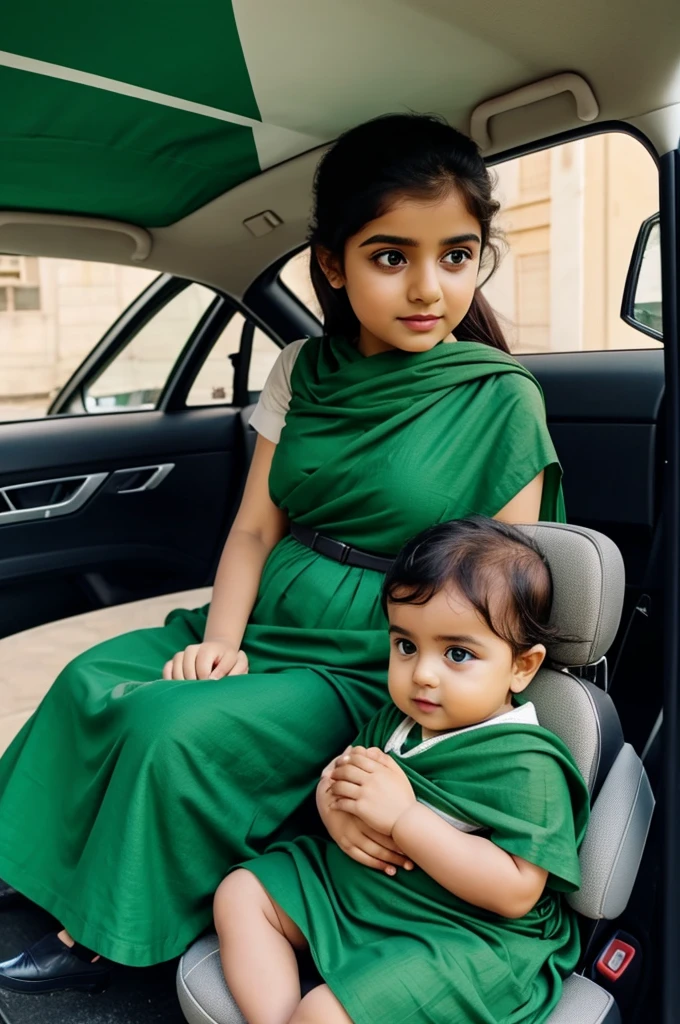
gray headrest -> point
(588, 588)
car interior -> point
(117, 497)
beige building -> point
(570, 218)
(571, 215)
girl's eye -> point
(459, 655)
(458, 257)
(405, 647)
(391, 258)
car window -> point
(295, 276)
(214, 382)
(134, 379)
(52, 314)
(570, 216)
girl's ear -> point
(525, 667)
(330, 266)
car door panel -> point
(117, 546)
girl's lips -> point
(425, 705)
(419, 323)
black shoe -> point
(50, 966)
(8, 895)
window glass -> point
(214, 383)
(137, 375)
(570, 216)
(52, 314)
(295, 276)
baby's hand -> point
(372, 786)
(331, 764)
(358, 840)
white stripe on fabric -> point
(275, 144)
(272, 142)
(525, 714)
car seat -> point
(588, 581)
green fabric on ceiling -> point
(191, 50)
(71, 148)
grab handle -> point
(139, 236)
(587, 107)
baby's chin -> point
(433, 722)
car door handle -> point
(46, 499)
(141, 478)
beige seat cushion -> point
(31, 660)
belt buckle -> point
(344, 554)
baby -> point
(453, 822)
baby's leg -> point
(320, 1007)
(256, 945)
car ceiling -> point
(165, 115)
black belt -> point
(338, 551)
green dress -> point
(125, 798)
(404, 949)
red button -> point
(615, 959)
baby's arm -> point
(469, 866)
(374, 788)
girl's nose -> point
(424, 286)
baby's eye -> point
(457, 257)
(405, 647)
(391, 258)
(459, 655)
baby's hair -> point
(370, 166)
(498, 568)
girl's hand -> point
(372, 786)
(360, 842)
(213, 659)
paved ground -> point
(30, 661)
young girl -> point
(182, 750)
(488, 806)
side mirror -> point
(641, 306)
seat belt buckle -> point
(615, 959)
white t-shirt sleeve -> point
(269, 415)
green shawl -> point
(375, 449)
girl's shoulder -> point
(289, 355)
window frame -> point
(119, 335)
(198, 348)
(574, 135)
(149, 303)
(267, 296)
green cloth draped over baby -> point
(404, 949)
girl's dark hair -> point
(499, 569)
(416, 155)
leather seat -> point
(588, 579)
